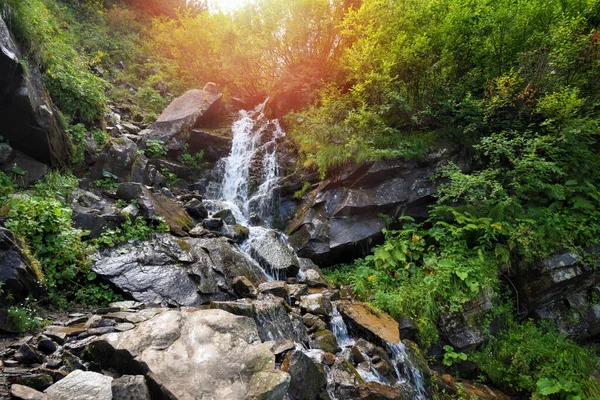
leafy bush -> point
(137, 229)
(24, 316)
(155, 149)
(534, 358)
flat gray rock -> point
(80, 385)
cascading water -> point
(249, 180)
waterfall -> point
(411, 372)
(253, 150)
(340, 330)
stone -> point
(375, 356)
(328, 359)
(243, 287)
(339, 220)
(127, 304)
(30, 169)
(325, 340)
(129, 191)
(314, 321)
(200, 231)
(195, 208)
(378, 391)
(311, 274)
(226, 215)
(80, 385)
(276, 288)
(273, 255)
(345, 379)
(471, 389)
(177, 271)
(195, 354)
(131, 128)
(26, 355)
(26, 393)
(37, 381)
(30, 121)
(296, 291)
(308, 376)
(16, 273)
(316, 304)
(369, 323)
(212, 223)
(154, 205)
(129, 387)
(46, 346)
(458, 332)
(408, 329)
(193, 109)
(272, 319)
(118, 157)
(215, 147)
(244, 309)
(283, 346)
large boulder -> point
(193, 109)
(158, 205)
(273, 255)
(120, 157)
(29, 119)
(177, 271)
(196, 354)
(308, 376)
(214, 146)
(339, 220)
(16, 272)
(80, 385)
(25, 170)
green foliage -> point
(77, 91)
(530, 358)
(169, 176)
(24, 316)
(100, 137)
(194, 161)
(7, 186)
(300, 193)
(155, 149)
(131, 229)
(450, 356)
(77, 133)
(110, 181)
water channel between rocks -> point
(244, 187)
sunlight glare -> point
(227, 5)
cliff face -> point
(29, 119)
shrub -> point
(155, 149)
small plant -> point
(24, 316)
(155, 149)
(192, 160)
(137, 229)
(108, 182)
(299, 193)
(100, 137)
(170, 177)
(450, 356)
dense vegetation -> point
(512, 83)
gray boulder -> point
(273, 255)
(177, 271)
(197, 354)
(308, 376)
(120, 157)
(16, 273)
(129, 387)
(80, 385)
(193, 109)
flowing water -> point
(249, 179)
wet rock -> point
(299, 328)
(16, 273)
(276, 288)
(378, 391)
(200, 231)
(317, 304)
(30, 170)
(80, 385)
(450, 386)
(314, 322)
(26, 393)
(240, 307)
(311, 274)
(243, 287)
(308, 377)
(212, 223)
(283, 346)
(130, 387)
(273, 255)
(239, 233)
(272, 319)
(177, 271)
(325, 340)
(96, 224)
(296, 291)
(369, 323)
(375, 356)
(227, 216)
(459, 333)
(345, 379)
(328, 359)
(29, 119)
(195, 208)
(196, 354)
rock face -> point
(369, 323)
(273, 255)
(214, 147)
(197, 354)
(339, 220)
(29, 119)
(193, 109)
(564, 288)
(15, 271)
(178, 272)
(119, 157)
